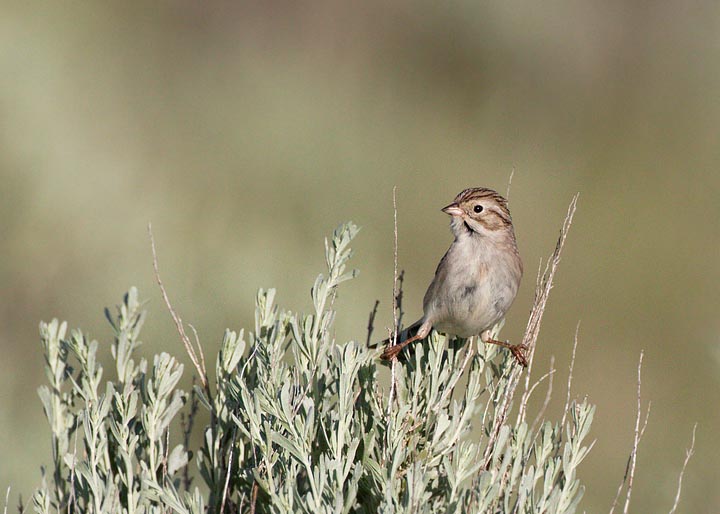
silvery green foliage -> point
(301, 423)
(109, 439)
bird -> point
(477, 279)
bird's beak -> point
(453, 210)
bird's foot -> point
(518, 351)
(391, 351)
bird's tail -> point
(404, 334)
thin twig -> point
(688, 454)
(453, 382)
(638, 435)
(620, 488)
(548, 395)
(647, 415)
(629, 467)
(545, 283)
(632, 460)
(253, 499)
(501, 412)
(507, 192)
(522, 411)
(227, 474)
(399, 299)
(394, 337)
(395, 267)
(73, 499)
(570, 376)
(494, 395)
(7, 498)
(498, 422)
(310, 382)
(198, 363)
(247, 361)
(186, 424)
(199, 346)
(165, 456)
(371, 322)
(178, 322)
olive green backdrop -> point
(246, 132)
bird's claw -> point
(518, 351)
(391, 352)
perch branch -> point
(542, 292)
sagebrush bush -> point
(302, 423)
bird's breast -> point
(472, 293)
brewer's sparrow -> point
(477, 278)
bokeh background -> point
(247, 131)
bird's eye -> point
(478, 208)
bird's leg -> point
(391, 351)
(516, 349)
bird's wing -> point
(438, 282)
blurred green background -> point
(247, 131)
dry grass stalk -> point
(570, 376)
(394, 335)
(629, 476)
(688, 454)
(542, 292)
(197, 358)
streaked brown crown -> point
(500, 204)
(474, 193)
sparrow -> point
(477, 278)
